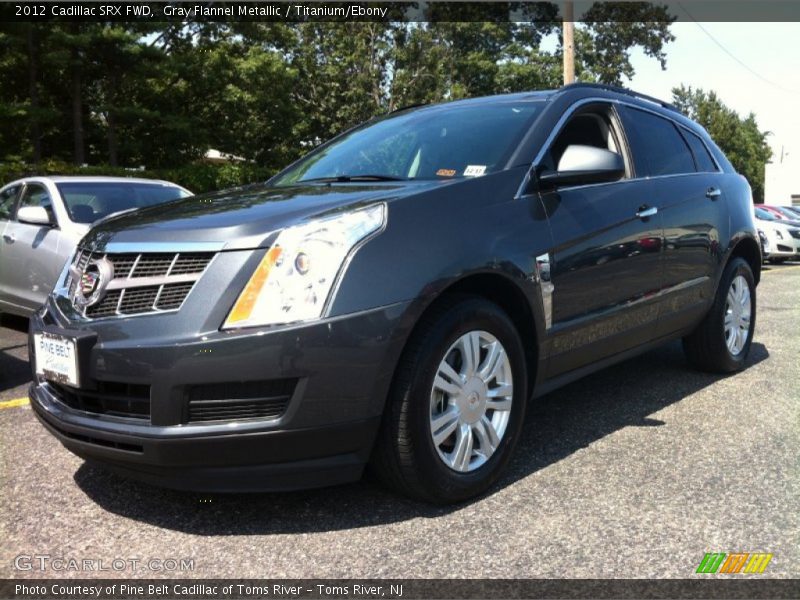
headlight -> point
(764, 240)
(293, 281)
(779, 234)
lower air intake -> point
(237, 401)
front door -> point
(31, 261)
(606, 261)
(8, 207)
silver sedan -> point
(43, 218)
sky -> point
(768, 84)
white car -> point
(43, 218)
(783, 239)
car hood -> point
(241, 218)
(778, 224)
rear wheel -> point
(457, 404)
(722, 341)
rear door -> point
(605, 267)
(31, 259)
(688, 189)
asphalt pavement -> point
(636, 472)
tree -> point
(611, 30)
(161, 94)
(742, 141)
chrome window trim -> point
(634, 179)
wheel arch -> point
(503, 291)
(750, 250)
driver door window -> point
(37, 195)
(595, 127)
(7, 199)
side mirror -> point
(34, 215)
(584, 165)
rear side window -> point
(658, 147)
(702, 157)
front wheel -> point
(722, 341)
(457, 404)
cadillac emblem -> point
(91, 284)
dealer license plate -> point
(56, 358)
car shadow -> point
(14, 322)
(557, 425)
(14, 371)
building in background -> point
(782, 182)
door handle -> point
(9, 237)
(713, 193)
(646, 211)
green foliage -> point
(161, 95)
(614, 28)
(739, 138)
(197, 177)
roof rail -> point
(622, 90)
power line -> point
(734, 57)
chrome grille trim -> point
(124, 283)
(129, 294)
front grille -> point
(782, 248)
(239, 400)
(795, 233)
(142, 283)
(110, 398)
(172, 295)
(137, 300)
(107, 307)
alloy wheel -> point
(470, 402)
(738, 312)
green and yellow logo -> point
(737, 562)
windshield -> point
(787, 212)
(436, 143)
(765, 215)
(87, 202)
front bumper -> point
(341, 370)
(786, 247)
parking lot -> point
(635, 472)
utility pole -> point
(569, 43)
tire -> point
(708, 347)
(406, 458)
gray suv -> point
(396, 297)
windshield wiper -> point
(346, 178)
(112, 215)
